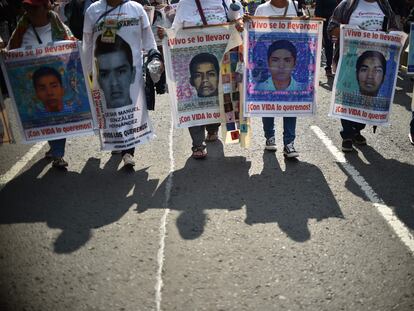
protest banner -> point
(118, 87)
(365, 81)
(6, 136)
(48, 91)
(236, 127)
(410, 60)
(194, 93)
(282, 59)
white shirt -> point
(187, 14)
(266, 9)
(135, 30)
(367, 16)
(44, 32)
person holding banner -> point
(115, 34)
(367, 15)
(197, 13)
(281, 58)
(41, 25)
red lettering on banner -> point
(354, 112)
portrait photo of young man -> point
(281, 62)
(47, 82)
(370, 72)
(116, 72)
(204, 74)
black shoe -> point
(359, 140)
(411, 137)
(347, 145)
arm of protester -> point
(160, 32)
(148, 40)
(87, 42)
(246, 17)
(239, 25)
(337, 19)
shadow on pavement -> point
(391, 180)
(290, 198)
(75, 203)
(287, 198)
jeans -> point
(328, 46)
(198, 133)
(57, 147)
(289, 128)
(350, 129)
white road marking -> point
(385, 211)
(163, 225)
(18, 166)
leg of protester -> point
(56, 152)
(328, 47)
(289, 135)
(198, 136)
(128, 157)
(351, 134)
(269, 132)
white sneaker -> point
(289, 151)
(128, 160)
(271, 144)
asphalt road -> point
(242, 230)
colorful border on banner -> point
(299, 39)
(38, 118)
(6, 134)
(410, 60)
(364, 84)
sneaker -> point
(329, 73)
(59, 162)
(289, 151)
(347, 145)
(411, 137)
(48, 154)
(359, 140)
(128, 160)
(271, 144)
(211, 136)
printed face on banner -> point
(281, 67)
(50, 90)
(366, 81)
(116, 72)
(197, 71)
(370, 70)
(204, 74)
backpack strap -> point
(200, 11)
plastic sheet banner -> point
(193, 60)
(365, 81)
(6, 136)
(48, 91)
(282, 59)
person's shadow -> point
(217, 182)
(391, 180)
(75, 203)
(290, 198)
